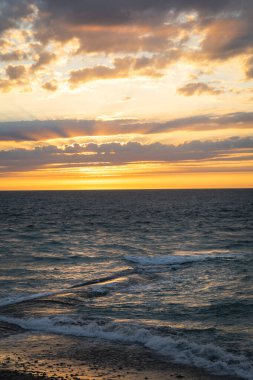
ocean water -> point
(170, 270)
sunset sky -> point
(111, 94)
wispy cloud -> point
(198, 88)
(124, 68)
(51, 129)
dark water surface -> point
(178, 266)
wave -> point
(68, 258)
(19, 299)
(24, 298)
(168, 259)
(207, 356)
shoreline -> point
(39, 356)
(171, 374)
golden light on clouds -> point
(159, 92)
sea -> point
(169, 270)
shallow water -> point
(178, 266)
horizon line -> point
(130, 189)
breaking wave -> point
(207, 356)
(172, 259)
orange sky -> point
(135, 95)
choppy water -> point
(178, 266)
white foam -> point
(166, 260)
(208, 356)
(182, 257)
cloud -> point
(112, 26)
(124, 67)
(13, 12)
(51, 129)
(198, 88)
(162, 29)
(22, 75)
(237, 40)
(50, 86)
(149, 25)
(16, 76)
(18, 160)
(62, 19)
(122, 12)
(15, 72)
(249, 68)
(136, 12)
(43, 59)
(15, 55)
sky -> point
(126, 94)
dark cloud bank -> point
(66, 16)
(76, 155)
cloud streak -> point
(124, 68)
(52, 129)
(20, 160)
(198, 88)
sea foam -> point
(207, 356)
(168, 259)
